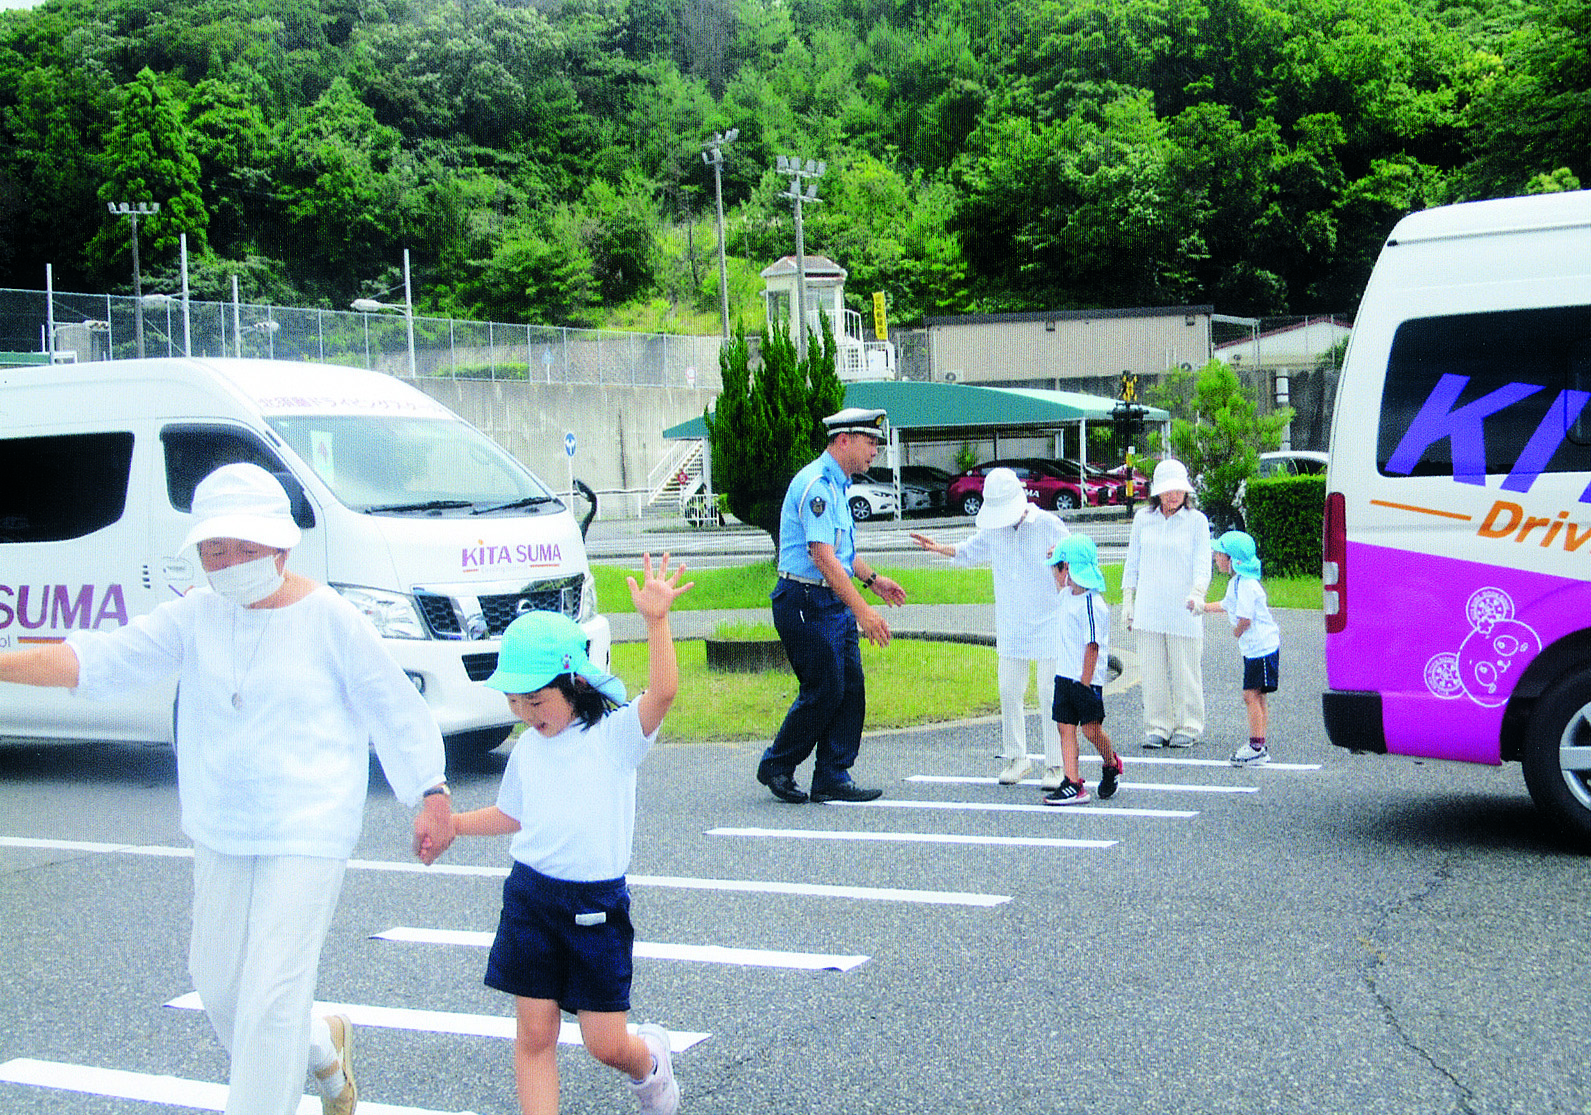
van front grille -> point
(479, 667)
(445, 615)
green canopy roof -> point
(961, 409)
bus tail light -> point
(1333, 564)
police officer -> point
(817, 610)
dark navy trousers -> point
(820, 637)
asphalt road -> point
(1335, 933)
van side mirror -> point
(303, 510)
(585, 491)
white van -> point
(1458, 508)
(425, 524)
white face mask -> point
(248, 582)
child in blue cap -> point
(568, 798)
(1259, 639)
(1082, 648)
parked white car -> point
(870, 499)
(1292, 462)
(1282, 462)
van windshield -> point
(399, 466)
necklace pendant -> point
(237, 700)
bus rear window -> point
(1472, 395)
(62, 487)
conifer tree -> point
(769, 420)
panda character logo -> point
(1486, 662)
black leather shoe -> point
(846, 791)
(784, 788)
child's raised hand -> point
(656, 593)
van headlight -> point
(588, 599)
(393, 614)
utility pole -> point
(713, 156)
(798, 171)
(134, 210)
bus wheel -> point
(1557, 757)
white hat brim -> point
(998, 513)
(279, 534)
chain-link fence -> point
(108, 327)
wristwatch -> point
(441, 789)
(871, 577)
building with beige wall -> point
(1071, 350)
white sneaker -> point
(1016, 770)
(1249, 756)
(659, 1092)
(1053, 777)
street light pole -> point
(134, 210)
(798, 172)
(408, 309)
(375, 305)
(714, 157)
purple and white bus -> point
(1457, 561)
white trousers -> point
(258, 926)
(1173, 683)
(1013, 677)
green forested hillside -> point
(542, 160)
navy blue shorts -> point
(1076, 703)
(1263, 673)
(569, 942)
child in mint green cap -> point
(567, 798)
(1082, 650)
(1259, 639)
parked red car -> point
(1045, 485)
(1118, 477)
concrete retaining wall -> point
(618, 430)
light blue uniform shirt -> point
(815, 510)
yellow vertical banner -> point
(880, 324)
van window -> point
(1477, 394)
(64, 486)
(392, 464)
(194, 452)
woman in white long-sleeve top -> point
(284, 686)
(1016, 538)
(1168, 564)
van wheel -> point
(474, 744)
(1557, 757)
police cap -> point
(857, 420)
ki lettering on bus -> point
(1464, 428)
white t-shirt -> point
(1245, 599)
(1168, 560)
(1025, 603)
(1084, 619)
(574, 797)
(285, 772)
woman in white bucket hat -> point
(1015, 537)
(1168, 564)
(283, 688)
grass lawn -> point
(732, 707)
(727, 707)
(747, 586)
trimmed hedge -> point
(1284, 515)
